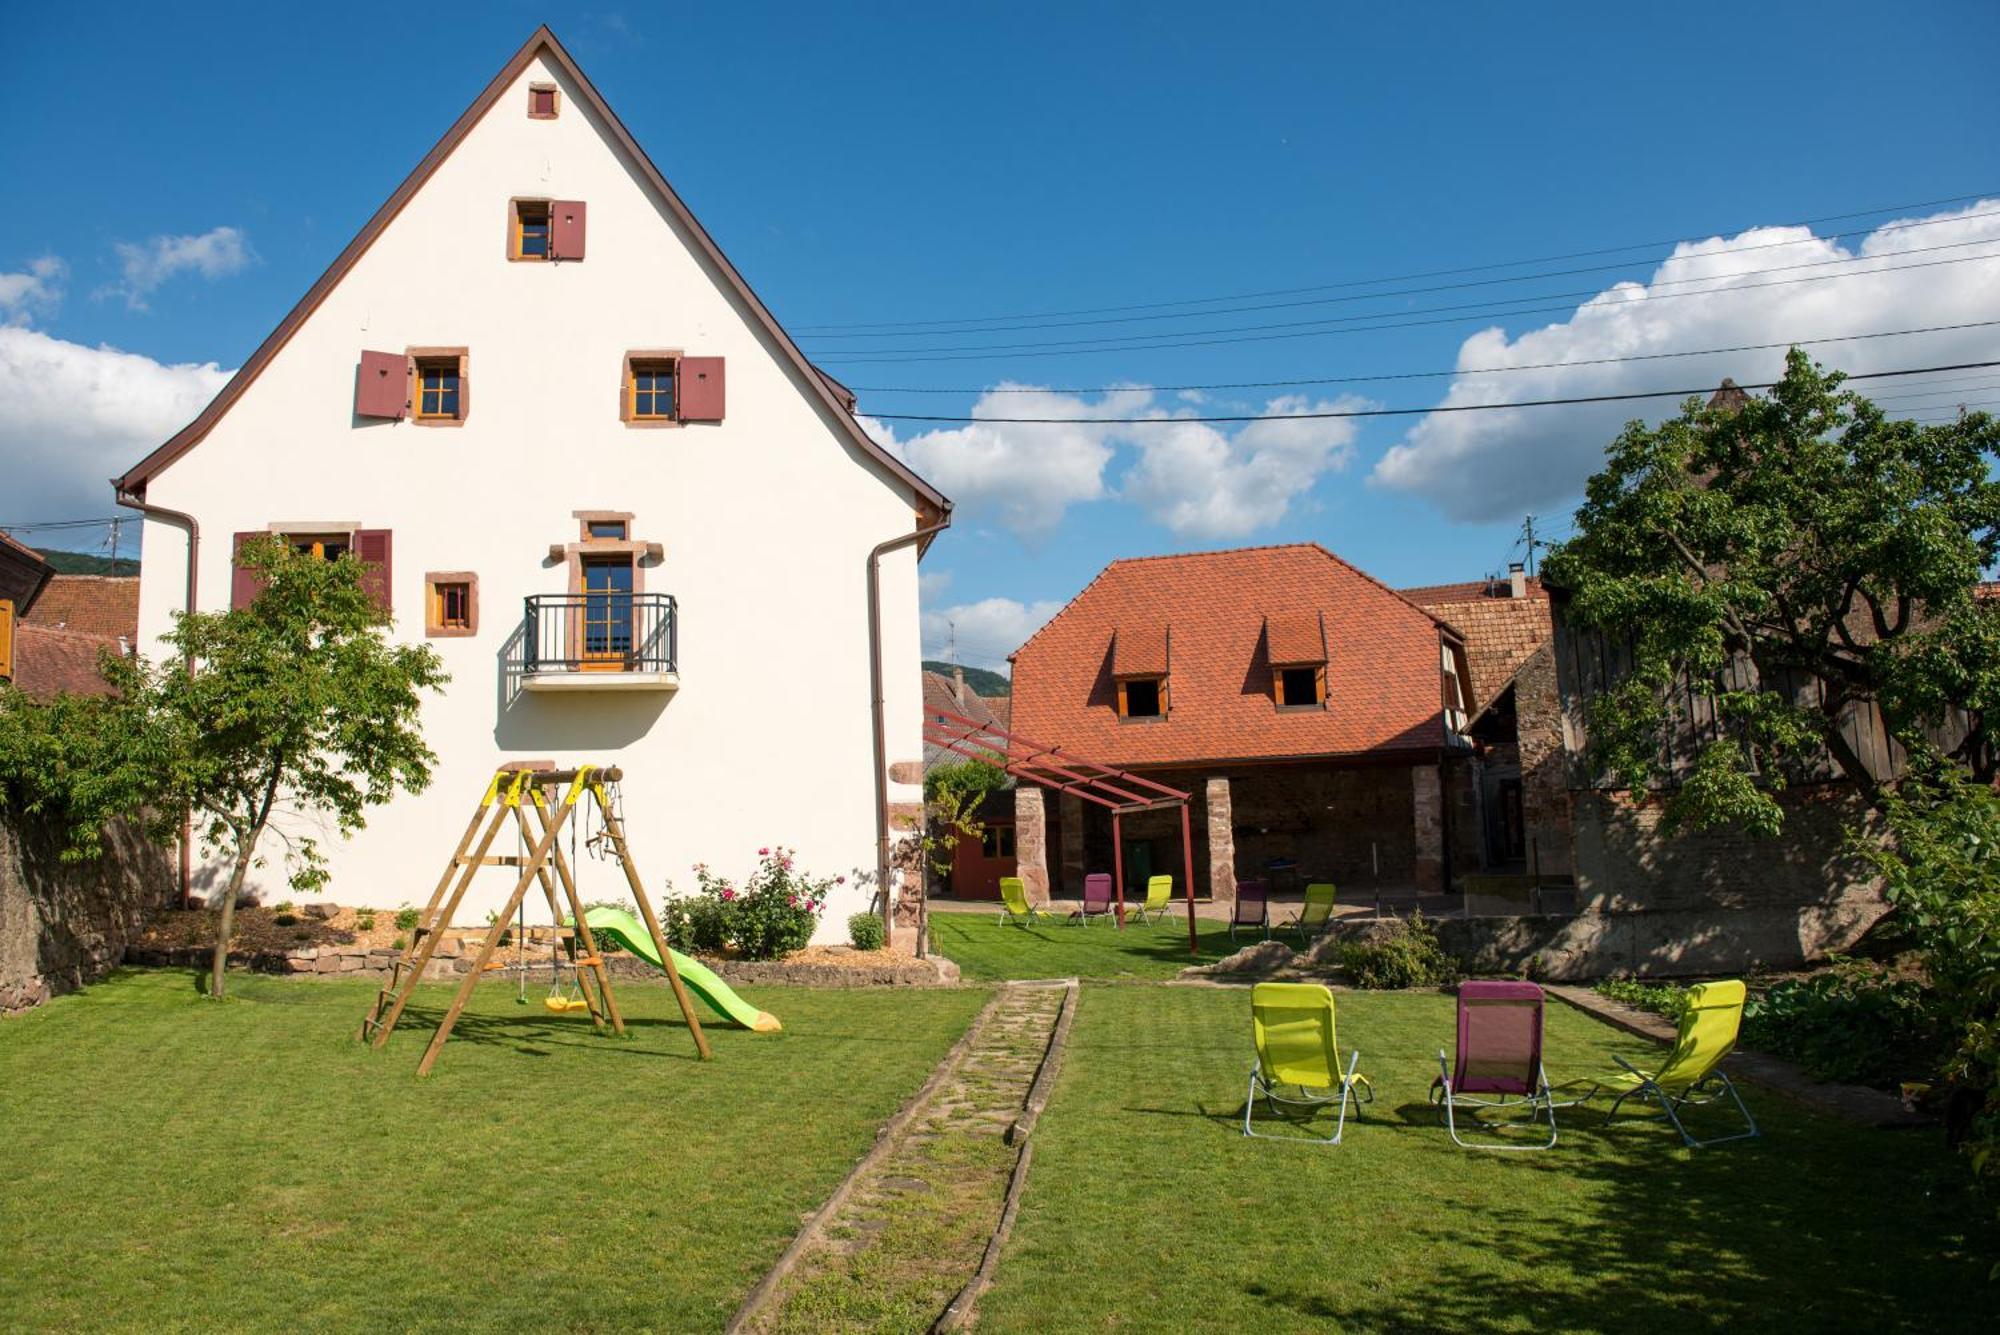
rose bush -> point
(769, 915)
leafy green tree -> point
(296, 703)
(1788, 557)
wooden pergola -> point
(1120, 792)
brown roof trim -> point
(134, 481)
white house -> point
(645, 539)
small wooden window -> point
(542, 102)
(1142, 697)
(997, 842)
(531, 230)
(614, 529)
(6, 639)
(438, 397)
(451, 603)
(1301, 687)
(325, 546)
(652, 391)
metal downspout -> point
(875, 556)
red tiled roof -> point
(1501, 632)
(1382, 665)
(99, 604)
(48, 661)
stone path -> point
(907, 1232)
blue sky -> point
(184, 176)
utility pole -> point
(1528, 539)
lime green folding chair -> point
(1296, 1046)
(1314, 914)
(1692, 1074)
(1159, 898)
(1014, 905)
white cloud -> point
(984, 632)
(931, 584)
(73, 416)
(145, 265)
(1496, 464)
(1191, 477)
(34, 291)
(1201, 483)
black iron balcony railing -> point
(599, 632)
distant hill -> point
(84, 563)
(980, 680)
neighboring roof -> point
(829, 392)
(48, 661)
(97, 604)
(1382, 662)
(24, 575)
(1501, 631)
(941, 697)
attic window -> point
(1142, 697)
(542, 104)
(530, 233)
(1301, 687)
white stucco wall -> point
(766, 519)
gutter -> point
(875, 555)
(135, 501)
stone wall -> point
(63, 925)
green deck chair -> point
(1014, 905)
(1314, 914)
(1692, 1073)
(1297, 1046)
(1159, 898)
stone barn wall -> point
(63, 925)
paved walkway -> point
(910, 1227)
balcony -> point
(599, 642)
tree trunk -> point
(226, 922)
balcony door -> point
(607, 612)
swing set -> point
(514, 791)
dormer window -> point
(1139, 661)
(1295, 643)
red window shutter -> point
(382, 387)
(566, 227)
(244, 585)
(373, 547)
(701, 389)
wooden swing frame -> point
(516, 789)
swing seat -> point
(563, 1005)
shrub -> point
(364, 921)
(1850, 1022)
(284, 906)
(406, 919)
(283, 919)
(1668, 999)
(769, 916)
(1408, 956)
(865, 932)
(401, 943)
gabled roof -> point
(24, 575)
(1501, 631)
(94, 604)
(833, 396)
(1383, 669)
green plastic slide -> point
(629, 932)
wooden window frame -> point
(1278, 671)
(555, 101)
(417, 357)
(318, 536)
(628, 392)
(548, 208)
(1166, 703)
(435, 626)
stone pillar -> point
(1073, 869)
(1427, 799)
(1031, 843)
(1221, 843)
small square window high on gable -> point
(543, 102)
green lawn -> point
(1146, 1209)
(170, 1163)
(986, 949)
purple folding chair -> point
(1097, 901)
(1499, 1062)
(1253, 909)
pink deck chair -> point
(1252, 912)
(1499, 1063)
(1097, 900)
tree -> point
(296, 703)
(952, 797)
(1786, 558)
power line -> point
(1407, 277)
(1389, 412)
(38, 525)
(1431, 375)
(913, 332)
(1312, 329)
